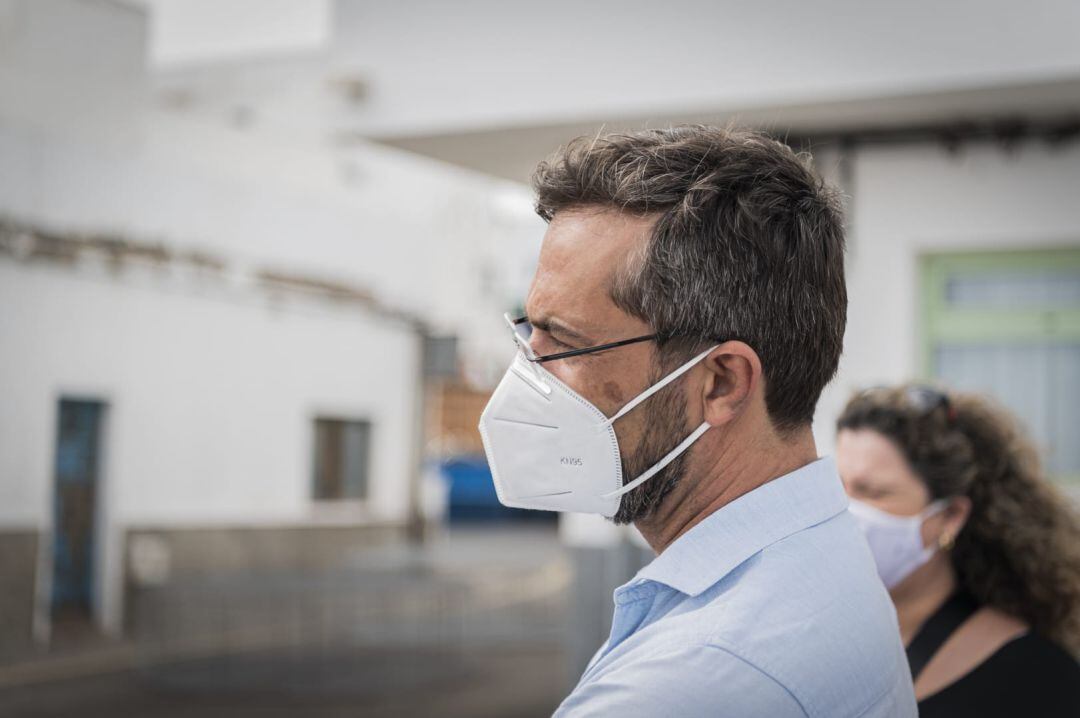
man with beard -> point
(688, 308)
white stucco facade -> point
(210, 395)
(909, 200)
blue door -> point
(75, 506)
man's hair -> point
(748, 245)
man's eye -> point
(549, 341)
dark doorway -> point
(75, 501)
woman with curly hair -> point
(980, 554)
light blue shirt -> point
(769, 607)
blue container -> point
(472, 496)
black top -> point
(1028, 676)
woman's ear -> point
(954, 517)
(733, 375)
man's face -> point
(570, 307)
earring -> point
(945, 541)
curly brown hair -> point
(1020, 549)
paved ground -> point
(506, 682)
(469, 626)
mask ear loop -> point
(683, 445)
(671, 456)
(633, 403)
(934, 508)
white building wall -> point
(452, 245)
(439, 242)
(212, 388)
(86, 146)
(912, 199)
(211, 396)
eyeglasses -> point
(522, 330)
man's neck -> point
(727, 470)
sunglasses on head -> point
(923, 398)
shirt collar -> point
(710, 550)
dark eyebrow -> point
(554, 326)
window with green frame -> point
(1007, 323)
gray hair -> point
(748, 245)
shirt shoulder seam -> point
(762, 671)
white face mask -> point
(550, 449)
(895, 541)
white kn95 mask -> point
(551, 449)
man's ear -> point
(733, 376)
